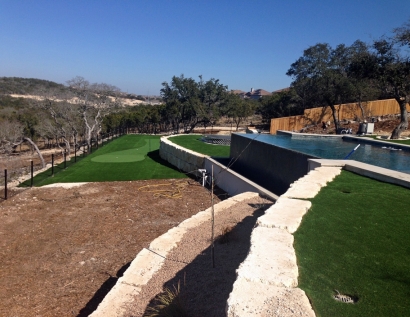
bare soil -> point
(62, 249)
(204, 284)
(383, 127)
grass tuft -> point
(168, 304)
(226, 235)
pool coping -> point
(376, 142)
(363, 139)
(375, 172)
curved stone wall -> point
(185, 160)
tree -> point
(238, 109)
(363, 88)
(12, 135)
(392, 72)
(212, 94)
(402, 34)
(281, 104)
(181, 97)
(320, 76)
(94, 101)
(189, 103)
(64, 121)
(387, 66)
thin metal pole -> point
(213, 219)
(32, 173)
(65, 158)
(75, 148)
(52, 165)
(5, 184)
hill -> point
(26, 86)
(30, 88)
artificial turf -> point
(355, 239)
(130, 157)
(193, 142)
(404, 142)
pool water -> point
(337, 148)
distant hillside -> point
(26, 86)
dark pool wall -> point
(270, 166)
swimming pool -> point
(383, 155)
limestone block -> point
(285, 214)
(271, 259)
(196, 220)
(329, 170)
(169, 240)
(140, 271)
(314, 178)
(303, 190)
(250, 299)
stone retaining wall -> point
(186, 160)
(226, 179)
(266, 283)
(147, 262)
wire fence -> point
(27, 170)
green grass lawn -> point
(405, 142)
(356, 239)
(130, 157)
(192, 142)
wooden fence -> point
(344, 111)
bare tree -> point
(11, 135)
(94, 101)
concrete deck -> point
(375, 172)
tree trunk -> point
(68, 148)
(404, 122)
(43, 163)
(361, 110)
(334, 117)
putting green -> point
(126, 156)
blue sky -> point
(136, 45)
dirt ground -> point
(383, 127)
(204, 289)
(62, 249)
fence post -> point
(5, 184)
(32, 173)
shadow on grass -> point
(102, 292)
(204, 290)
(154, 155)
